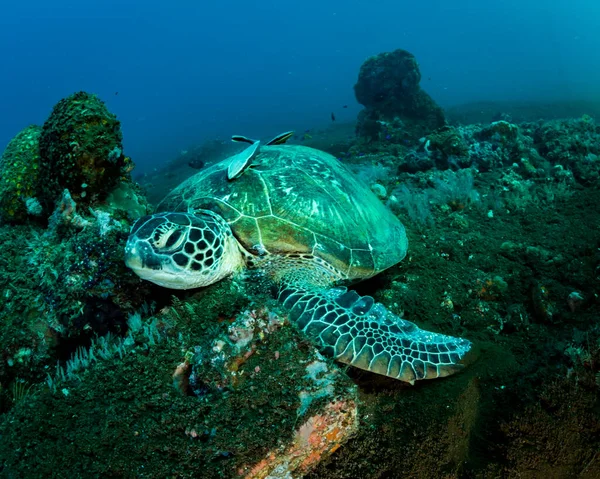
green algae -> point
(82, 151)
(20, 176)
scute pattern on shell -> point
(296, 199)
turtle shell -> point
(299, 200)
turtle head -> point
(182, 250)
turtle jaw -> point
(150, 266)
(163, 278)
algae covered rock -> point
(388, 82)
(19, 176)
(502, 144)
(62, 286)
(572, 144)
(62, 277)
(251, 399)
(65, 283)
(448, 146)
(388, 87)
(82, 150)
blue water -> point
(182, 71)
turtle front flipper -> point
(357, 331)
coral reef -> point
(19, 177)
(63, 285)
(502, 144)
(81, 149)
(572, 144)
(216, 382)
(63, 279)
(262, 400)
(449, 144)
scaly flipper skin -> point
(299, 216)
(357, 331)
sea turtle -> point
(299, 215)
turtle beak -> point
(132, 259)
(149, 266)
(140, 257)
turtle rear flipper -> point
(357, 331)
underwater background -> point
(477, 124)
(190, 71)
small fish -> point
(332, 116)
(281, 138)
(242, 139)
(116, 93)
(196, 164)
(345, 106)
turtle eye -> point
(169, 240)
